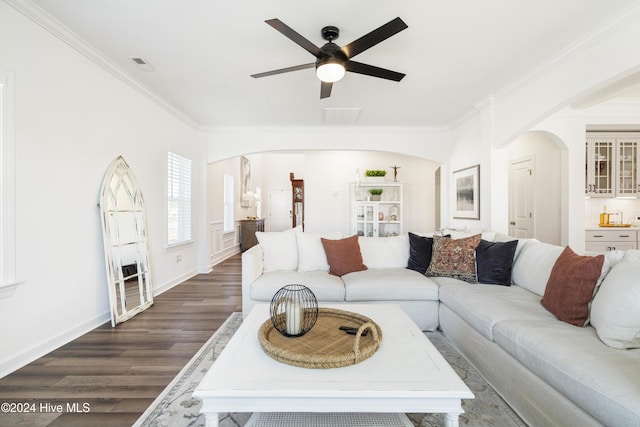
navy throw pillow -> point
(420, 249)
(494, 262)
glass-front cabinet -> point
(599, 169)
(612, 167)
(627, 176)
(377, 215)
(365, 223)
(297, 202)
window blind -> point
(179, 199)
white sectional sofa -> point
(551, 372)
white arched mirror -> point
(125, 243)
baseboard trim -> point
(42, 349)
(22, 359)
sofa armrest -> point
(252, 266)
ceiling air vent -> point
(144, 65)
(341, 115)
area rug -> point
(176, 406)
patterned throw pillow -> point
(454, 258)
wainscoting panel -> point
(223, 245)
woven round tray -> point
(325, 345)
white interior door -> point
(521, 195)
(279, 210)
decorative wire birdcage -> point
(294, 310)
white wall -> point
(467, 152)
(72, 118)
(597, 61)
(221, 244)
(327, 177)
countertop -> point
(595, 227)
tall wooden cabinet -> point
(612, 166)
(297, 201)
(377, 218)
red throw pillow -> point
(343, 255)
(570, 286)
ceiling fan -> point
(332, 61)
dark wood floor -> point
(113, 374)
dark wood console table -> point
(248, 228)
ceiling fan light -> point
(330, 72)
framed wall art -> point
(466, 187)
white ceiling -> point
(455, 53)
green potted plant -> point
(375, 174)
(375, 193)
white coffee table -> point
(406, 374)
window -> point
(229, 204)
(179, 200)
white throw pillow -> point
(533, 263)
(279, 250)
(311, 255)
(385, 252)
(615, 310)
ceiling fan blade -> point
(374, 37)
(295, 37)
(284, 70)
(325, 90)
(370, 70)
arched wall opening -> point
(328, 175)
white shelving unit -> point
(377, 218)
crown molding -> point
(626, 16)
(614, 24)
(63, 33)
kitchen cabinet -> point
(609, 240)
(612, 166)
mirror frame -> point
(119, 181)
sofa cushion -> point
(533, 264)
(311, 255)
(571, 285)
(385, 252)
(494, 261)
(389, 284)
(279, 250)
(343, 255)
(454, 258)
(601, 380)
(325, 286)
(615, 311)
(484, 306)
